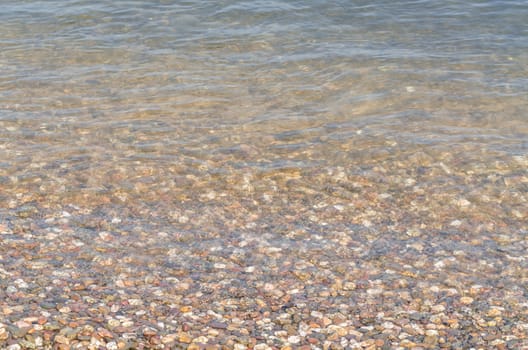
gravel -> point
(364, 242)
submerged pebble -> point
(211, 191)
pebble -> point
(218, 325)
(104, 333)
(208, 251)
(388, 325)
(438, 308)
(466, 300)
(4, 334)
(261, 346)
(316, 314)
(379, 343)
(374, 291)
(170, 338)
(22, 324)
(184, 337)
(349, 286)
(294, 339)
(201, 339)
(65, 309)
(149, 332)
(61, 339)
(494, 312)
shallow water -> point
(209, 118)
(229, 164)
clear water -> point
(164, 111)
(361, 158)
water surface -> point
(273, 116)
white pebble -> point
(211, 195)
(409, 182)
(439, 264)
(261, 346)
(316, 314)
(105, 236)
(21, 284)
(374, 291)
(39, 341)
(294, 339)
(456, 223)
(388, 325)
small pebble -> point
(466, 300)
(294, 339)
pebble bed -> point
(402, 249)
(263, 175)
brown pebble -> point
(60, 339)
(48, 335)
(78, 287)
(431, 340)
(169, 338)
(149, 332)
(494, 312)
(466, 300)
(184, 337)
(218, 325)
(155, 340)
(4, 334)
(313, 340)
(105, 333)
(185, 309)
(120, 329)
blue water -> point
(230, 94)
